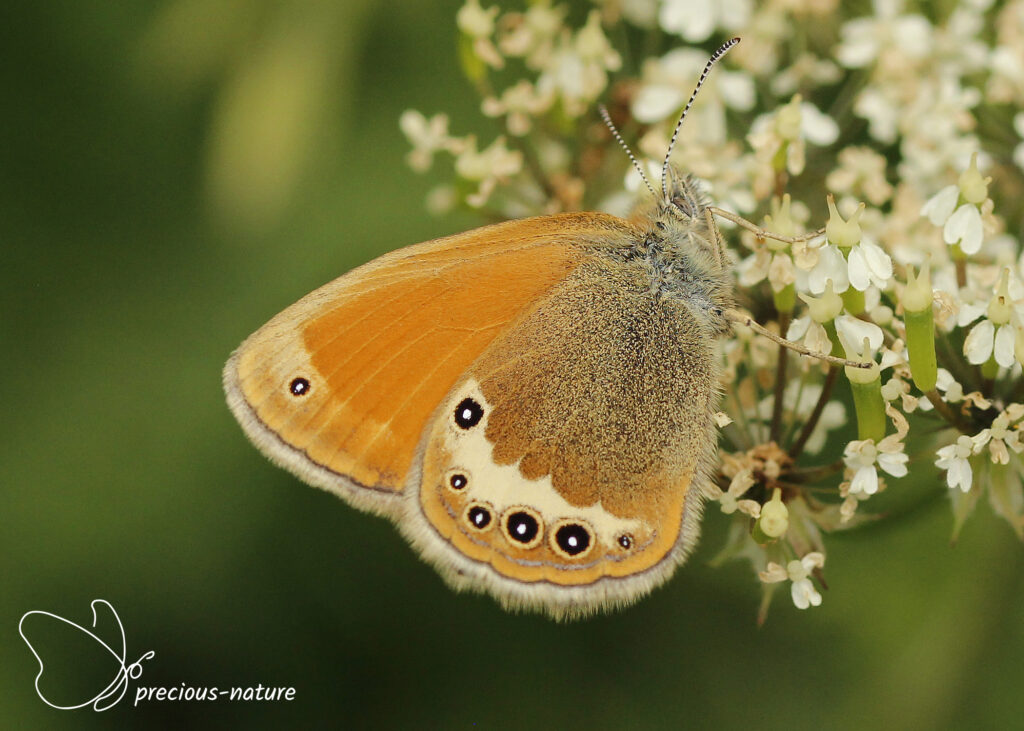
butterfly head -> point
(684, 198)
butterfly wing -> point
(338, 387)
(566, 469)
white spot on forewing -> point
(504, 485)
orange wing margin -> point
(383, 345)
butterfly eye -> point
(572, 540)
(479, 517)
(523, 527)
(468, 413)
(625, 541)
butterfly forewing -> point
(339, 387)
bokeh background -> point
(174, 173)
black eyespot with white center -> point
(523, 528)
(573, 539)
(468, 413)
(457, 481)
(625, 541)
(299, 387)
(479, 517)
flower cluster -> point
(874, 180)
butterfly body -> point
(531, 402)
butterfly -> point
(531, 402)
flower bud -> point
(780, 221)
(774, 520)
(917, 296)
(825, 308)
(788, 119)
(973, 187)
(999, 309)
(920, 322)
(844, 234)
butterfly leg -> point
(736, 316)
(760, 232)
(719, 243)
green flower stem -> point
(775, 429)
(951, 416)
(833, 336)
(921, 348)
(960, 260)
(990, 368)
(853, 301)
(868, 403)
(785, 300)
(870, 408)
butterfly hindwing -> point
(566, 468)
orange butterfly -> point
(531, 402)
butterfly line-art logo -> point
(112, 694)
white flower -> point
(729, 500)
(861, 170)
(790, 127)
(954, 458)
(952, 392)
(668, 82)
(474, 21)
(852, 331)
(577, 70)
(696, 20)
(803, 592)
(965, 228)
(831, 265)
(799, 572)
(999, 436)
(478, 24)
(531, 35)
(865, 40)
(960, 225)
(486, 167)
(984, 339)
(427, 137)
(940, 206)
(996, 335)
(519, 103)
(964, 225)
(862, 457)
(869, 264)
(813, 334)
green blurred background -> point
(174, 173)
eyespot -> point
(572, 539)
(457, 480)
(625, 541)
(468, 413)
(523, 527)
(479, 517)
(299, 386)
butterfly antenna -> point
(700, 82)
(636, 163)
